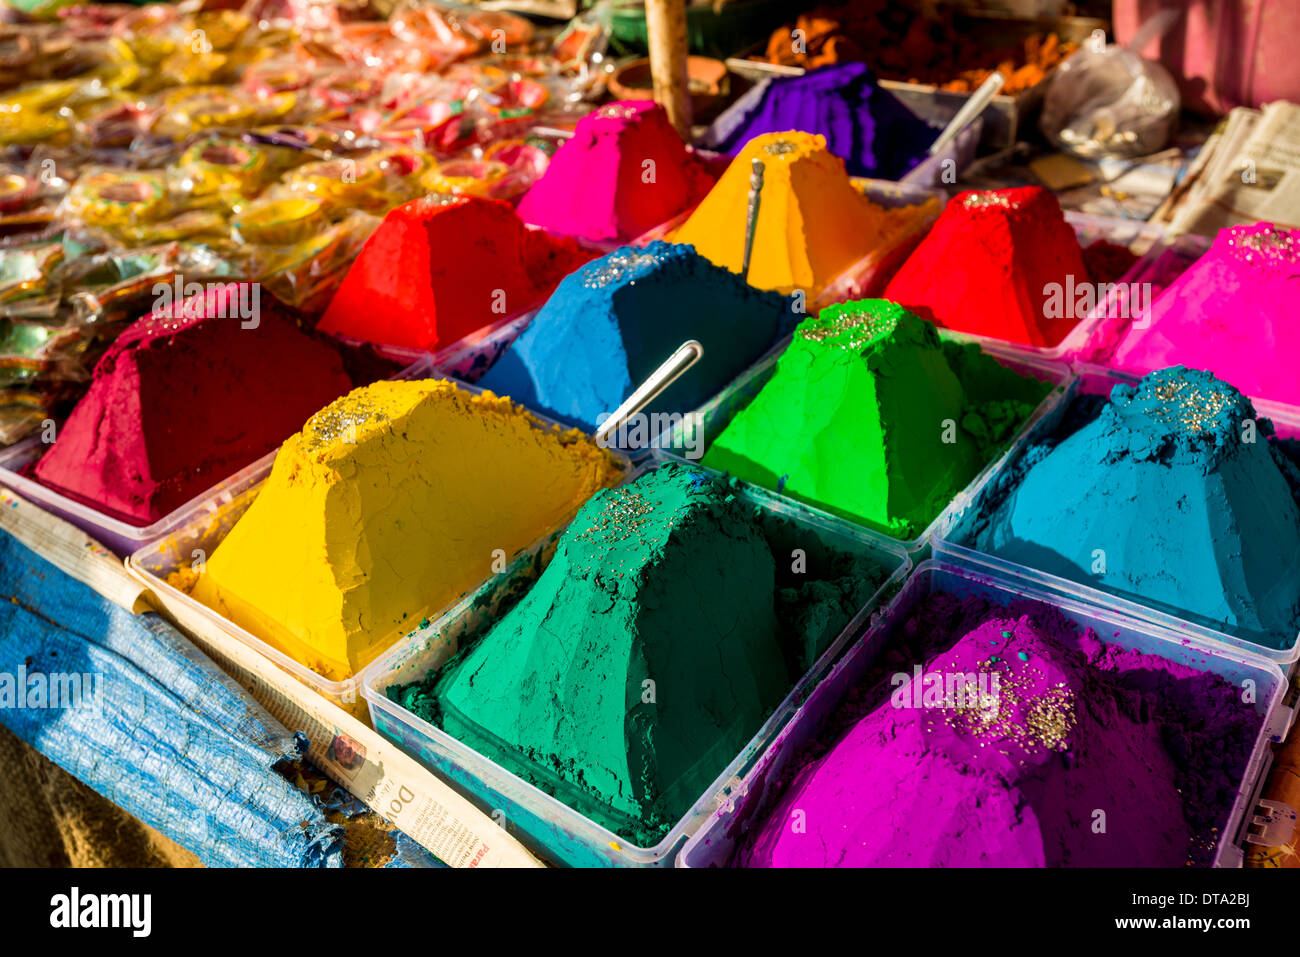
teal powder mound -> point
(668, 626)
(1171, 494)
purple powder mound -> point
(868, 127)
(1058, 750)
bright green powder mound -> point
(650, 650)
(869, 415)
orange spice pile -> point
(904, 45)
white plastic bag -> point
(1110, 102)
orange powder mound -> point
(813, 224)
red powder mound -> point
(990, 264)
(1107, 261)
(440, 267)
(187, 397)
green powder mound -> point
(640, 663)
(820, 586)
(870, 416)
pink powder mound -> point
(601, 185)
(1078, 728)
(1232, 313)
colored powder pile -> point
(1231, 313)
(1106, 261)
(1169, 494)
(186, 397)
(990, 267)
(388, 505)
(441, 267)
(812, 223)
(867, 127)
(613, 322)
(1012, 768)
(871, 416)
(625, 171)
(670, 584)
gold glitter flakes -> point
(1030, 717)
(340, 421)
(616, 111)
(860, 322)
(615, 268)
(986, 198)
(1263, 246)
(780, 147)
(1190, 407)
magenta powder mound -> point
(1232, 313)
(624, 172)
(1059, 750)
(186, 397)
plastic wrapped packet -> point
(110, 199)
(1110, 103)
(306, 274)
(51, 338)
(220, 168)
(26, 271)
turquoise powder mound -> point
(1172, 494)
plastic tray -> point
(1161, 267)
(1168, 259)
(548, 825)
(960, 152)
(714, 844)
(1140, 237)
(717, 414)
(1004, 116)
(949, 539)
(472, 356)
(870, 274)
(119, 536)
(203, 527)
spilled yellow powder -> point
(390, 504)
(812, 223)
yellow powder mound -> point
(390, 504)
(812, 223)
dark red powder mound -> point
(990, 265)
(439, 268)
(1107, 261)
(186, 397)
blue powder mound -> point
(867, 127)
(1171, 494)
(613, 322)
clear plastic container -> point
(952, 534)
(1097, 338)
(1103, 333)
(713, 845)
(119, 536)
(470, 358)
(952, 159)
(1142, 238)
(204, 526)
(549, 826)
(869, 276)
(716, 415)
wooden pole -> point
(666, 26)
